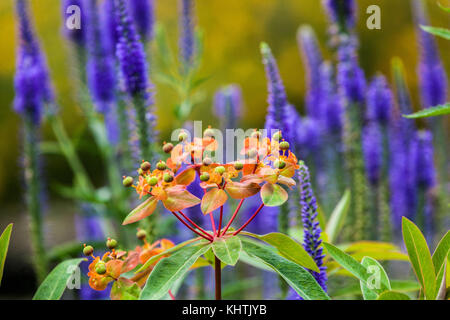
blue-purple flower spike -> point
(100, 65)
(341, 12)
(187, 34)
(331, 106)
(313, 60)
(373, 153)
(379, 101)
(277, 117)
(76, 35)
(144, 18)
(312, 241)
(228, 105)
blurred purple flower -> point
(308, 137)
(77, 36)
(187, 36)
(373, 151)
(228, 105)
(308, 43)
(341, 12)
(379, 101)
(109, 25)
(143, 16)
(331, 106)
(426, 175)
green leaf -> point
(337, 218)
(150, 261)
(443, 8)
(52, 288)
(169, 269)
(125, 289)
(273, 195)
(4, 244)
(420, 257)
(379, 277)
(298, 278)
(393, 295)
(288, 248)
(210, 259)
(142, 211)
(397, 285)
(441, 286)
(440, 32)
(350, 264)
(430, 112)
(440, 256)
(227, 249)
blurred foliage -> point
(232, 30)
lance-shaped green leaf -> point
(227, 249)
(142, 211)
(288, 248)
(430, 112)
(378, 279)
(397, 285)
(168, 270)
(337, 218)
(440, 32)
(273, 195)
(125, 289)
(213, 199)
(440, 256)
(420, 258)
(393, 295)
(297, 277)
(52, 288)
(4, 244)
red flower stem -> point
(249, 220)
(194, 224)
(209, 238)
(171, 295)
(213, 223)
(220, 222)
(218, 277)
(234, 216)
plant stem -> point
(220, 222)
(249, 220)
(233, 217)
(194, 224)
(209, 238)
(218, 278)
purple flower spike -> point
(341, 12)
(331, 106)
(373, 151)
(379, 101)
(31, 81)
(77, 36)
(426, 175)
(143, 15)
(228, 105)
(313, 60)
(187, 36)
(100, 64)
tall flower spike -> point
(100, 64)
(312, 56)
(341, 12)
(77, 36)
(277, 111)
(433, 80)
(330, 104)
(311, 229)
(109, 25)
(379, 101)
(228, 105)
(31, 81)
(143, 16)
(373, 153)
(187, 36)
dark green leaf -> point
(4, 244)
(440, 32)
(430, 112)
(392, 295)
(440, 256)
(227, 249)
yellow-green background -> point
(233, 30)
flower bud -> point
(220, 170)
(141, 234)
(168, 177)
(238, 166)
(88, 250)
(207, 161)
(284, 145)
(145, 166)
(277, 136)
(152, 181)
(204, 177)
(182, 136)
(168, 147)
(111, 244)
(279, 164)
(140, 172)
(161, 166)
(209, 133)
(100, 267)
(127, 182)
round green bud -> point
(88, 250)
(220, 170)
(168, 177)
(140, 172)
(127, 182)
(141, 234)
(182, 136)
(168, 147)
(204, 177)
(252, 153)
(100, 267)
(145, 166)
(284, 145)
(238, 166)
(152, 181)
(208, 133)
(279, 164)
(277, 136)
(207, 161)
(161, 166)
(111, 244)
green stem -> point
(218, 278)
(33, 195)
